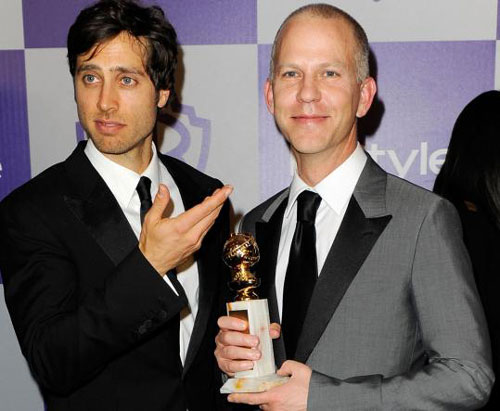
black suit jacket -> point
(96, 323)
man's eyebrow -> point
(286, 66)
(86, 67)
(129, 70)
(120, 69)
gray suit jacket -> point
(395, 322)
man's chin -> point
(110, 147)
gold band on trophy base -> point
(240, 253)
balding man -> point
(366, 272)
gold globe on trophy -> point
(240, 253)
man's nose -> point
(309, 90)
(108, 98)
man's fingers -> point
(227, 322)
(194, 215)
(239, 353)
(234, 366)
(237, 339)
(201, 227)
(160, 202)
(252, 399)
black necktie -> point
(144, 190)
(302, 271)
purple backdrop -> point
(498, 21)
(274, 155)
(427, 84)
(14, 150)
(213, 21)
(444, 75)
(46, 22)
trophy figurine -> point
(240, 253)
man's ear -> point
(269, 96)
(163, 98)
(368, 89)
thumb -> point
(160, 202)
(287, 368)
(274, 330)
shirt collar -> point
(336, 188)
(122, 181)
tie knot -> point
(307, 205)
(144, 189)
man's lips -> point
(309, 118)
(108, 126)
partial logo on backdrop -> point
(180, 133)
(421, 91)
(418, 159)
(80, 132)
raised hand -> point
(167, 242)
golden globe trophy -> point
(240, 253)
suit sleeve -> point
(68, 335)
(456, 374)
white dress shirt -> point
(335, 190)
(123, 182)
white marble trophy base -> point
(255, 384)
(263, 375)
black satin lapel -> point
(103, 217)
(268, 239)
(208, 283)
(356, 237)
(193, 193)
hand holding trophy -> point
(240, 253)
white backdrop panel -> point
(400, 20)
(18, 391)
(51, 107)
(11, 25)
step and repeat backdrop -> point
(429, 58)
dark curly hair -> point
(106, 19)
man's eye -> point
(291, 74)
(128, 81)
(89, 78)
(331, 73)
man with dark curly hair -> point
(113, 296)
